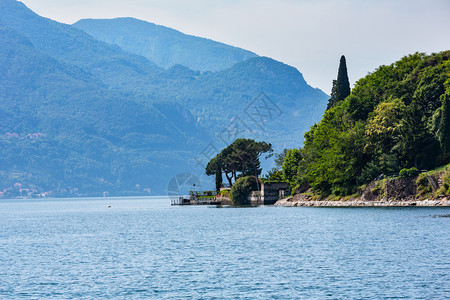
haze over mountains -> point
(164, 46)
(80, 116)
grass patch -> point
(443, 173)
(424, 187)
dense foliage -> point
(63, 133)
(242, 188)
(394, 118)
(443, 134)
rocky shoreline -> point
(292, 202)
(423, 190)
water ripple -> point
(146, 249)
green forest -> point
(394, 118)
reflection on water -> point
(442, 216)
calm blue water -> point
(143, 248)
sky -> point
(309, 35)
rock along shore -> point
(395, 192)
(299, 202)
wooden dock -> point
(188, 201)
(201, 198)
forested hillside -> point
(215, 98)
(396, 117)
(62, 131)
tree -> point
(384, 127)
(241, 158)
(242, 189)
(214, 168)
(274, 175)
(333, 100)
(279, 158)
(444, 128)
(219, 179)
(395, 129)
(246, 154)
(291, 164)
(341, 86)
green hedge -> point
(405, 173)
(242, 188)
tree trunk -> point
(229, 178)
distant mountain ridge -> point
(164, 46)
(109, 120)
(63, 130)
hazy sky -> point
(309, 35)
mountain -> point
(217, 98)
(62, 129)
(72, 46)
(289, 104)
(164, 46)
(81, 116)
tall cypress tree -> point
(341, 86)
(444, 128)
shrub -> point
(441, 191)
(446, 184)
(380, 187)
(423, 186)
(242, 188)
(225, 193)
(340, 191)
(405, 173)
(369, 173)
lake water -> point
(143, 248)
